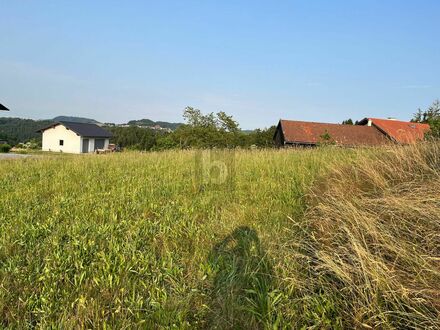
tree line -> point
(212, 130)
(17, 130)
(200, 130)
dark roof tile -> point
(87, 130)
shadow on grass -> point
(243, 296)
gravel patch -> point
(13, 156)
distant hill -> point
(149, 122)
(76, 119)
(15, 130)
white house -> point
(74, 138)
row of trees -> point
(199, 131)
(16, 130)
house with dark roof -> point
(74, 137)
(367, 132)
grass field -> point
(322, 238)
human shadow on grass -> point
(242, 291)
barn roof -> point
(2, 107)
(301, 132)
(399, 131)
(82, 129)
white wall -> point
(52, 137)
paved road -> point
(12, 156)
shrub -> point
(4, 148)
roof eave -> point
(95, 137)
(301, 142)
(41, 130)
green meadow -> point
(291, 239)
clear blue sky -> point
(257, 60)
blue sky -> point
(257, 60)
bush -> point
(4, 148)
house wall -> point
(278, 139)
(53, 135)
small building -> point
(302, 133)
(76, 138)
(402, 132)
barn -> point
(75, 138)
(302, 133)
(367, 132)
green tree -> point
(17, 130)
(195, 118)
(200, 130)
(207, 130)
(262, 138)
(165, 142)
(326, 138)
(134, 137)
(430, 116)
(226, 123)
(418, 116)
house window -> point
(61, 142)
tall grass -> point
(374, 242)
(321, 238)
(128, 240)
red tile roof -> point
(300, 132)
(401, 131)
